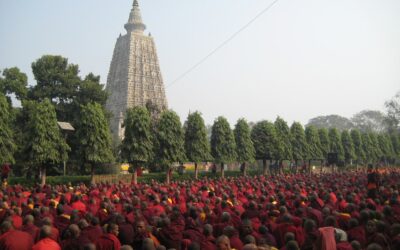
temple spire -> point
(135, 23)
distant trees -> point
(197, 147)
(299, 143)
(244, 145)
(223, 147)
(264, 139)
(94, 136)
(137, 145)
(169, 142)
(7, 145)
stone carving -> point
(134, 77)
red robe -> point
(93, 233)
(108, 242)
(32, 230)
(16, 240)
(46, 244)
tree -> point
(314, 143)
(358, 147)
(223, 147)
(14, 82)
(331, 121)
(324, 140)
(283, 134)
(137, 145)
(348, 147)
(395, 140)
(376, 151)
(7, 144)
(90, 90)
(336, 143)
(244, 145)
(393, 113)
(197, 147)
(43, 143)
(385, 147)
(169, 145)
(299, 142)
(94, 136)
(367, 147)
(369, 120)
(264, 139)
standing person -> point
(372, 182)
(5, 170)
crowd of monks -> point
(295, 211)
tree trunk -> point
(196, 171)
(43, 175)
(134, 176)
(168, 179)
(264, 167)
(92, 173)
(244, 169)
(222, 171)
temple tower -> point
(134, 77)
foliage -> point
(14, 82)
(314, 143)
(376, 151)
(395, 140)
(336, 143)
(348, 146)
(283, 134)
(7, 144)
(358, 147)
(94, 135)
(385, 145)
(369, 121)
(393, 113)
(223, 147)
(244, 145)
(331, 121)
(197, 147)
(169, 140)
(368, 148)
(265, 139)
(43, 143)
(137, 145)
(324, 140)
(299, 142)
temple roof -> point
(135, 23)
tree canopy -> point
(223, 147)
(197, 147)
(314, 144)
(283, 134)
(244, 145)
(7, 144)
(300, 147)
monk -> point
(30, 228)
(46, 242)
(109, 241)
(74, 239)
(223, 243)
(12, 239)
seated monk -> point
(223, 243)
(12, 239)
(109, 240)
(30, 228)
(74, 239)
(209, 242)
(46, 242)
(141, 233)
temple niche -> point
(134, 77)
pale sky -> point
(301, 59)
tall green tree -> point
(137, 145)
(358, 147)
(283, 134)
(376, 151)
(44, 145)
(7, 144)
(169, 143)
(14, 82)
(348, 147)
(336, 143)
(395, 140)
(386, 147)
(223, 147)
(264, 138)
(94, 135)
(393, 113)
(368, 148)
(300, 147)
(244, 145)
(197, 147)
(324, 140)
(313, 142)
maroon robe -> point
(16, 240)
(93, 233)
(33, 230)
(208, 243)
(108, 242)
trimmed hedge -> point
(145, 178)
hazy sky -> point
(301, 59)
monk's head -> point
(292, 245)
(45, 231)
(113, 228)
(141, 227)
(148, 244)
(223, 243)
(6, 226)
(370, 227)
(28, 219)
(74, 230)
(207, 230)
(250, 246)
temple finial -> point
(135, 23)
